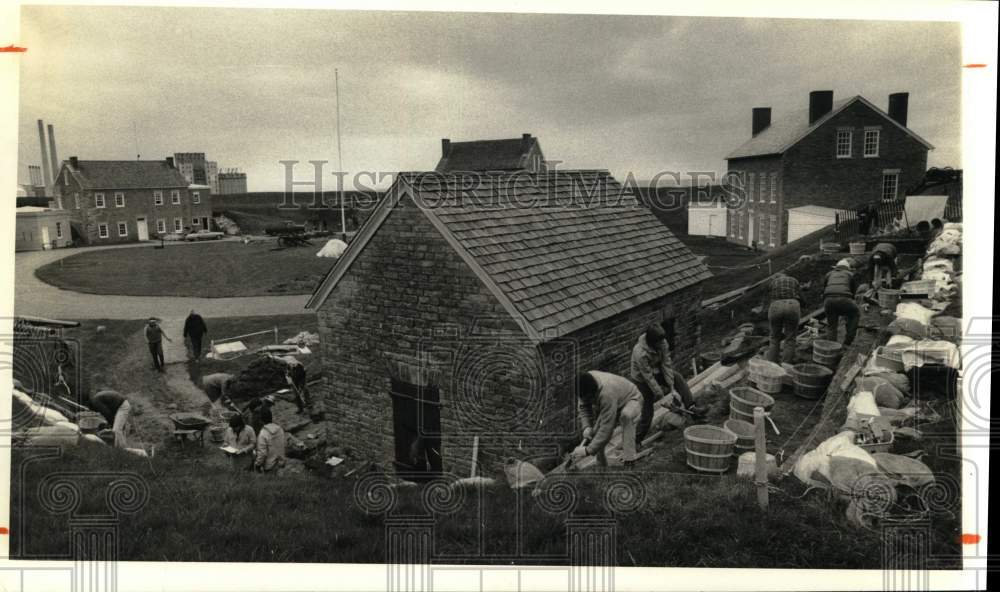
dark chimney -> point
(170, 161)
(445, 146)
(74, 163)
(899, 104)
(761, 119)
(525, 141)
(820, 103)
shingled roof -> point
(125, 174)
(561, 259)
(487, 155)
(786, 132)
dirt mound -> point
(262, 377)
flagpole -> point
(340, 161)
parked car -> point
(199, 235)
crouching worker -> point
(882, 265)
(270, 444)
(652, 370)
(783, 316)
(839, 291)
(606, 400)
(241, 438)
(216, 385)
(116, 410)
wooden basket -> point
(767, 376)
(812, 375)
(709, 448)
(744, 432)
(742, 400)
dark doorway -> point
(416, 424)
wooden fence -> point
(852, 223)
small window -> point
(99, 200)
(750, 186)
(175, 197)
(119, 199)
(763, 233)
(196, 197)
(871, 142)
(157, 198)
(763, 188)
(161, 226)
(102, 230)
(122, 229)
(774, 187)
(890, 185)
(195, 222)
(76, 200)
(774, 229)
(844, 137)
(178, 225)
(58, 229)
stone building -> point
(838, 155)
(120, 201)
(459, 313)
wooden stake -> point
(475, 456)
(760, 462)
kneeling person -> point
(606, 400)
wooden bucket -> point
(742, 400)
(888, 299)
(827, 353)
(767, 376)
(743, 430)
(709, 448)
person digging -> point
(652, 371)
(295, 376)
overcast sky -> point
(641, 94)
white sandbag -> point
(68, 426)
(812, 468)
(23, 397)
(897, 340)
(137, 452)
(852, 451)
(521, 474)
(903, 469)
(938, 263)
(862, 403)
(914, 311)
(834, 443)
(909, 327)
(333, 248)
(889, 396)
(93, 438)
(47, 416)
(930, 351)
(50, 436)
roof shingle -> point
(126, 174)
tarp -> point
(921, 208)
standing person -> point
(607, 400)
(839, 290)
(295, 376)
(215, 385)
(154, 339)
(882, 265)
(652, 371)
(195, 330)
(116, 410)
(783, 316)
(270, 444)
(240, 437)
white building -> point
(707, 219)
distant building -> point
(838, 155)
(39, 228)
(212, 172)
(231, 181)
(517, 154)
(119, 201)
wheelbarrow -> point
(190, 425)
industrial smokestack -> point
(56, 165)
(46, 178)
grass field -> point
(196, 512)
(213, 270)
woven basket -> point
(812, 375)
(744, 432)
(743, 399)
(709, 448)
(888, 299)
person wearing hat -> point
(839, 290)
(154, 339)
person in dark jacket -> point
(882, 265)
(295, 376)
(255, 409)
(154, 339)
(783, 315)
(195, 330)
(839, 289)
(116, 410)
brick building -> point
(516, 154)
(119, 201)
(456, 318)
(840, 155)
